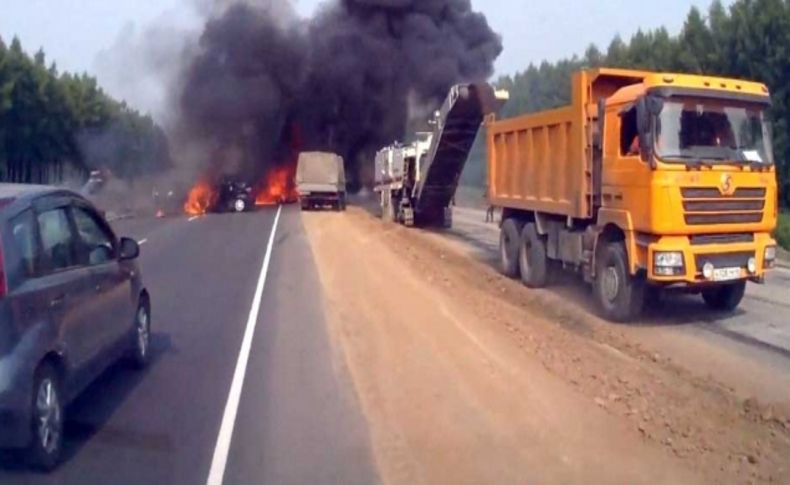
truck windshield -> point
(694, 129)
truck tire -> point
(509, 241)
(532, 260)
(386, 207)
(342, 202)
(726, 297)
(407, 213)
(620, 296)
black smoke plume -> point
(264, 84)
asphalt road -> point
(296, 418)
(762, 321)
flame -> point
(201, 197)
(278, 187)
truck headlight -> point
(673, 259)
(769, 257)
(668, 263)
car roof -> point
(22, 195)
(22, 190)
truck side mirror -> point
(600, 124)
(643, 126)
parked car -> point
(72, 302)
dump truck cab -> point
(688, 174)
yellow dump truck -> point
(646, 181)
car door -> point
(98, 249)
(66, 287)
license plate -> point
(726, 274)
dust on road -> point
(467, 377)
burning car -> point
(234, 196)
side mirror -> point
(600, 124)
(129, 249)
(644, 115)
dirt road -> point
(467, 377)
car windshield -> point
(713, 129)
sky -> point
(75, 33)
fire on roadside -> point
(201, 198)
(278, 187)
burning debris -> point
(278, 187)
(201, 198)
(264, 85)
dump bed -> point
(544, 161)
(320, 172)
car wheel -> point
(47, 419)
(142, 335)
(725, 298)
(239, 205)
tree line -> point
(57, 126)
(749, 40)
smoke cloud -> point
(263, 84)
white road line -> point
(217, 473)
(193, 218)
(142, 241)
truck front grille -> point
(708, 206)
(739, 259)
(703, 239)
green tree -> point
(50, 120)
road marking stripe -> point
(193, 218)
(142, 241)
(217, 473)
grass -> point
(783, 230)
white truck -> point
(321, 180)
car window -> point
(57, 240)
(95, 245)
(24, 234)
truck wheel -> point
(46, 419)
(532, 260)
(620, 295)
(509, 241)
(725, 297)
(343, 202)
(387, 209)
(447, 218)
(408, 216)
